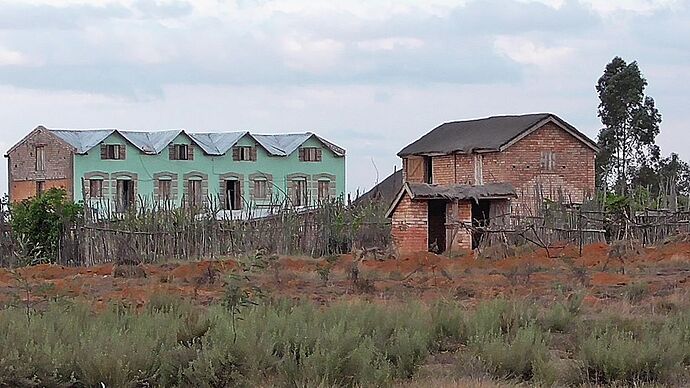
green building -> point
(115, 170)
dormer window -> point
(310, 154)
(112, 151)
(244, 153)
(181, 152)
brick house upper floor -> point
(541, 155)
(237, 168)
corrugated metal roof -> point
(212, 143)
(82, 139)
(216, 143)
(150, 142)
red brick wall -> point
(21, 163)
(409, 226)
(519, 164)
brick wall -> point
(572, 176)
(23, 175)
(409, 226)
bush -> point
(38, 223)
(635, 292)
(518, 357)
(612, 355)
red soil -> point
(424, 276)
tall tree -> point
(631, 124)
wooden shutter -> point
(318, 154)
(122, 151)
(238, 194)
(252, 154)
(190, 152)
(235, 153)
(301, 154)
(171, 152)
(104, 151)
(415, 170)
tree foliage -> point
(39, 222)
(631, 124)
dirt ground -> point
(663, 270)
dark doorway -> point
(232, 195)
(437, 226)
(125, 194)
(480, 218)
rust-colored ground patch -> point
(424, 276)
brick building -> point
(476, 170)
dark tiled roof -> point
(488, 134)
(385, 191)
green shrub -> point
(517, 357)
(39, 221)
(500, 316)
(635, 292)
(612, 355)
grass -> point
(282, 343)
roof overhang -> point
(425, 191)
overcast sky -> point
(369, 75)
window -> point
(112, 151)
(244, 153)
(40, 158)
(478, 169)
(260, 187)
(324, 190)
(428, 170)
(95, 188)
(194, 192)
(299, 192)
(310, 154)
(548, 160)
(40, 187)
(181, 152)
(164, 189)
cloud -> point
(11, 57)
(525, 51)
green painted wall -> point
(146, 166)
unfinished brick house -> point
(476, 170)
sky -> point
(369, 75)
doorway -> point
(233, 199)
(437, 226)
(480, 218)
(125, 194)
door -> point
(125, 194)
(437, 226)
(233, 197)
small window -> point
(310, 154)
(244, 153)
(324, 190)
(164, 189)
(112, 151)
(40, 158)
(40, 187)
(548, 160)
(95, 188)
(260, 187)
(181, 152)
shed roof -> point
(427, 191)
(487, 134)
